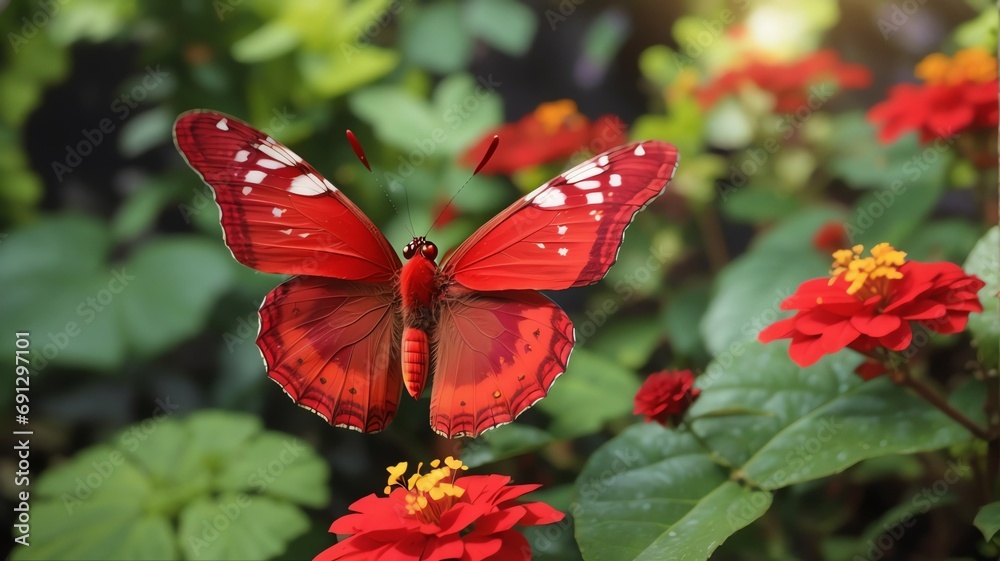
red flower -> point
(790, 83)
(958, 94)
(437, 516)
(666, 395)
(869, 304)
(830, 237)
(554, 131)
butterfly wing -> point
(497, 354)
(333, 345)
(279, 214)
(567, 232)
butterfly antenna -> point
(360, 153)
(482, 163)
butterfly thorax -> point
(418, 287)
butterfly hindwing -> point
(279, 214)
(333, 345)
(567, 232)
(497, 354)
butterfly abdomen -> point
(416, 360)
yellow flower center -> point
(968, 65)
(555, 114)
(869, 275)
(429, 495)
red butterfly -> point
(355, 324)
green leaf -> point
(504, 442)
(239, 526)
(141, 208)
(943, 240)
(653, 493)
(821, 420)
(895, 213)
(269, 41)
(755, 204)
(146, 131)
(436, 38)
(680, 319)
(175, 282)
(988, 520)
(984, 262)
(281, 466)
(750, 289)
(331, 74)
(505, 24)
(629, 343)
(593, 391)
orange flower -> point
(554, 131)
(870, 303)
(958, 94)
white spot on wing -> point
(269, 164)
(287, 232)
(304, 235)
(639, 150)
(551, 197)
(247, 190)
(242, 155)
(328, 184)
(540, 245)
(255, 176)
(615, 180)
(308, 185)
(277, 212)
(595, 198)
(562, 229)
(603, 160)
(585, 171)
(563, 251)
(222, 125)
(588, 184)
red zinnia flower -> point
(830, 236)
(790, 83)
(868, 304)
(437, 516)
(958, 94)
(554, 131)
(666, 395)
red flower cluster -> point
(869, 304)
(830, 237)
(438, 516)
(958, 94)
(666, 395)
(554, 131)
(790, 83)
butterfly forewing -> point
(567, 232)
(279, 214)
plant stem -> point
(711, 232)
(935, 399)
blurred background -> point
(149, 404)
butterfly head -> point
(420, 246)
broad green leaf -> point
(750, 289)
(436, 38)
(943, 240)
(504, 442)
(655, 494)
(593, 391)
(141, 208)
(988, 520)
(331, 74)
(755, 204)
(168, 290)
(507, 25)
(146, 131)
(271, 40)
(680, 319)
(893, 213)
(629, 343)
(984, 262)
(238, 526)
(821, 420)
(397, 116)
(125, 499)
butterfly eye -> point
(429, 250)
(409, 251)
